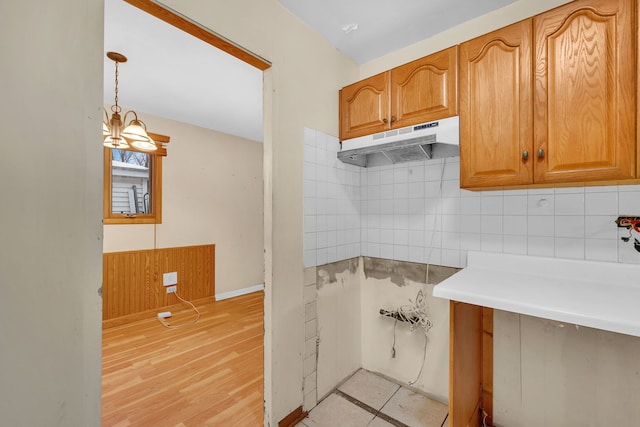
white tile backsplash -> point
(569, 226)
(540, 246)
(491, 205)
(515, 204)
(569, 204)
(629, 201)
(605, 203)
(601, 249)
(540, 225)
(567, 247)
(491, 243)
(514, 244)
(417, 212)
(600, 227)
(514, 225)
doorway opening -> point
(212, 176)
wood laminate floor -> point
(207, 374)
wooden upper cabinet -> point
(585, 93)
(425, 89)
(364, 107)
(417, 92)
(496, 108)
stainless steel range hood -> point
(432, 140)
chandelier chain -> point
(116, 108)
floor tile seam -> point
(385, 416)
(371, 410)
(399, 387)
(445, 419)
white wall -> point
(548, 373)
(212, 192)
(338, 323)
(50, 221)
(377, 337)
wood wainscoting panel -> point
(132, 280)
(126, 277)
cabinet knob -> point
(540, 153)
(385, 121)
(525, 155)
(393, 119)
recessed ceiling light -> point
(349, 28)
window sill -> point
(136, 220)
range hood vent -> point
(432, 140)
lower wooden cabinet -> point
(470, 365)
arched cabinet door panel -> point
(425, 89)
(421, 91)
(364, 107)
(585, 96)
(496, 108)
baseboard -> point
(293, 418)
(238, 292)
(150, 314)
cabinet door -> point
(364, 107)
(496, 108)
(425, 89)
(585, 92)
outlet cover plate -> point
(171, 289)
(169, 279)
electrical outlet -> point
(171, 289)
(169, 279)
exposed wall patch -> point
(399, 272)
(327, 274)
(437, 273)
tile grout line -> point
(386, 417)
(371, 410)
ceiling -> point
(174, 75)
(367, 29)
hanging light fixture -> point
(135, 133)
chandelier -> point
(115, 134)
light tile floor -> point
(368, 400)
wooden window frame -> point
(156, 186)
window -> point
(133, 186)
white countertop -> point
(602, 295)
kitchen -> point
(57, 368)
(428, 212)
